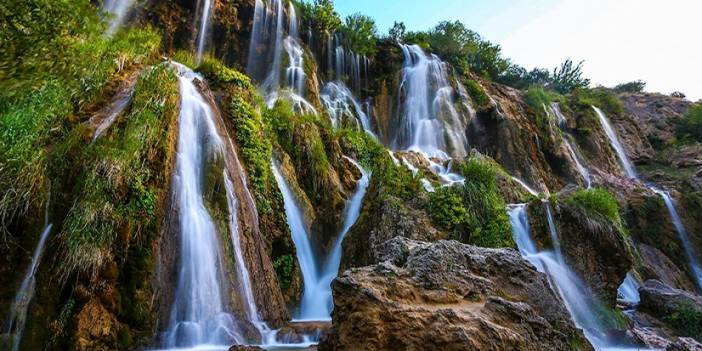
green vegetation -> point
(284, 266)
(597, 203)
(124, 177)
(567, 78)
(54, 63)
(256, 149)
(539, 99)
(599, 97)
(687, 321)
(360, 34)
(475, 212)
(319, 15)
(395, 180)
(476, 93)
(637, 86)
(219, 74)
(688, 127)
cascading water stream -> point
(692, 258)
(351, 213)
(268, 41)
(628, 292)
(579, 301)
(206, 14)
(14, 325)
(616, 145)
(316, 303)
(555, 109)
(118, 10)
(115, 110)
(341, 103)
(428, 117)
(199, 315)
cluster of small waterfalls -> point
(433, 113)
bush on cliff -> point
(688, 127)
(475, 212)
(597, 203)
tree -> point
(360, 34)
(397, 32)
(631, 87)
(568, 77)
(320, 15)
(688, 127)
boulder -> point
(451, 296)
(661, 301)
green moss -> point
(687, 321)
(284, 266)
(117, 189)
(476, 92)
(185, 57)
(396, 181)
(597, 203)
(219, 73)
(256, 149)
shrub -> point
(284, 266)
(475, 212)
(568, 78)
(597, 203)
(631, 87)
(687, 321)
(476, 93)
(688, 127)
(599, 97)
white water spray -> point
(118, 10)
(206, 12)
(618, 148)
(428, 117)
(342, 104)
(14, 325)
(317, 304)
(579, 301)
(199, 315)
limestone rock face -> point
(654, 113)
(660, 300)
(387, 219)
(96, 328)
(451, 296)
(685, 344)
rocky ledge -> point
(451, 296)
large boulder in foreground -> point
(450, 296)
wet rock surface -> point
(451, 296)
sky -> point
(659, 42)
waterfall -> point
(118, 10)
(553, 232)
(351, 213)
(682, 234)
(614, 140)
(115, 110)
(341, 103)
(310, 307)
(428, 117)
(14, 326)
(268, 41)
(628, 292)
(555, 109)
(199, 315)
(667, 199)
(206, 12)
(317, 274)
(578, 163)
(581, 304)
